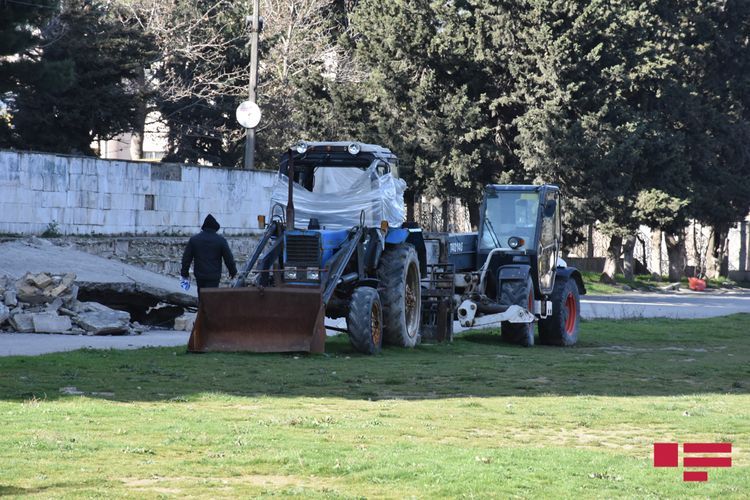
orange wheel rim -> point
(570, 322)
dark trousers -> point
(206, 284)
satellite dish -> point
(248, 114)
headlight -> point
(354, 148)
(313, 275)
(301, 147)
(290, 274)
(515, 242)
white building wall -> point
(154, 142)
(83, 195)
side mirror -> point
(549, 208)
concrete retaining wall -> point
(83, 195)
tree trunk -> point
(409, 201)
(590, 242)
(628, 262)
(611, 263)
(643, 254)
(473, 214)
(445, 215)
(434, 216)
(656, 252)
(717, 250)
(136, 140)
(743, 246)
(676, 254)
(697, 256)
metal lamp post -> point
(250, 132)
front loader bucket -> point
(278, 319)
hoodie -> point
(205, 251)
(210, 223)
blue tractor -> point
(510, 270)
(335, 247)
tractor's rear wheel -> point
(519, 293)
(365, 320)
(561, 328)
(401, 295)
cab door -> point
(549, 240)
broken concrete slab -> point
(68, 279)
(10, 298)
(72, 295)
(17, 257)
(124, 287)
(54, 306)
(185, 322)
(31, 294)
(56, 291)
(135, 292)
(50, 323)
(29, 291)
(91, 306)
(139, 328)
(41, 280)
(104, 322)
(4, 313)
(22, 322)
(67, 312)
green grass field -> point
(476, 418)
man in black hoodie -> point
(207, 249)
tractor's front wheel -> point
(365, 320)
(561, 328)
(401, 295)
(519, 293)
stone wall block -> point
(54, 200)
(10, 169)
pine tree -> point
(98, 100)
(437, 90)
(718, 126)
(605, 95)
(20, 64)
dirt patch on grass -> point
(624, 439)
(262, 480)
(538, 380)
(621, 349)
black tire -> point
(561, 328)
(365, 320)
(519, 293)
(401, 295)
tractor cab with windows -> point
(512, 267)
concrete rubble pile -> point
(48, 303)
